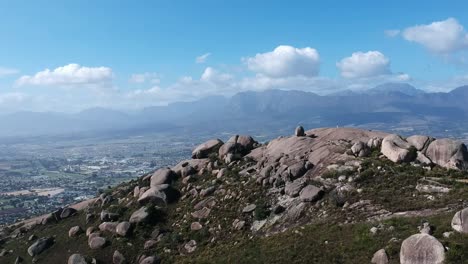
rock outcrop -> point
(207, 148)
(460, 221)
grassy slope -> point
(319, 241)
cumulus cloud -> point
(286, 61)
(147, 77)
(202, 58)
(212, 75)
(7, 71)
(444, 36)
(68, 75)
(391, 33)
(364, 64)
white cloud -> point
(286, 61)
(68, 75)
(440, 37)
(364, 64)
(150, 77)
(212, 75)
(202, 58)
(7, 71)
(391, 33)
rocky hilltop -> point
(328, 195)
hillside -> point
(327, 195)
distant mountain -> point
(403, 88)
(390, 104)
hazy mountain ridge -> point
(385, 103)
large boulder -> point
(67, 212)
(237, 146)
(360, 149)
(397, 149)
(205, 149)
(162, 176)
(40, 245)
(460, 221)
(448, 153)
(422, 248)
(419, 142)
(299, 132)
(153, 195)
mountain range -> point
(386, 104)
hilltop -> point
(327, 195)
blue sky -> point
(131, 54)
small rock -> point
(139, 216)
(97, 242)
(380, 257)
(195, 226)
(74, 231)
(249, 208)
(190, 246)
(118, 258)
(150, 244)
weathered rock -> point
(422, 248)
(108, 216)
(419, 142)
(207, 191)
(136, 192)
(190, 246)
(460, 221)
(237, 145)
(195, 226)
(448, 153)
(297, 170)
(75, 231)
(187, 171)
(40, 245)
(423, 159)
(299, 132)
(118, 258)
(97, 242)
(108, 226)
(162, 176)
(202, 213)
(123, 228)
(90, 230)
(374, 143)
(77, 259)
(396, 149)
(208, 202)
(205, 149)
(150, 244)
(293, 188)
(67, 212)
(360, 149)
(238, 224)
(153, 195)
(380, 257)
(249, 208)
(310, 193)
(140, 215)
(150, 260)
(221, 173)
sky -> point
(67, 56)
